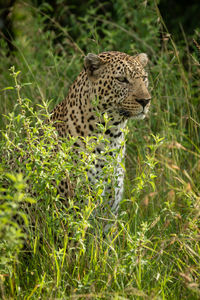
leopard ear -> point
(92, 63)
(143, 59)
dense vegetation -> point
(51, 250)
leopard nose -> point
(143, 102)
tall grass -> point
(51, 250)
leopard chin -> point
(140, 116)
(128, 114)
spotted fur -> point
(119, 84)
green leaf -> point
(17, 73)
(26, 83)
(7, 88)
(153, 185)
(11, 177)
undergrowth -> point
(52, 249)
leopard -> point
(118, 82)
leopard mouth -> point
(129, 114)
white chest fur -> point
(113, 191)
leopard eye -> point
(122, 79)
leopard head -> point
(120, 83)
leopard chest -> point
(113, 190)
